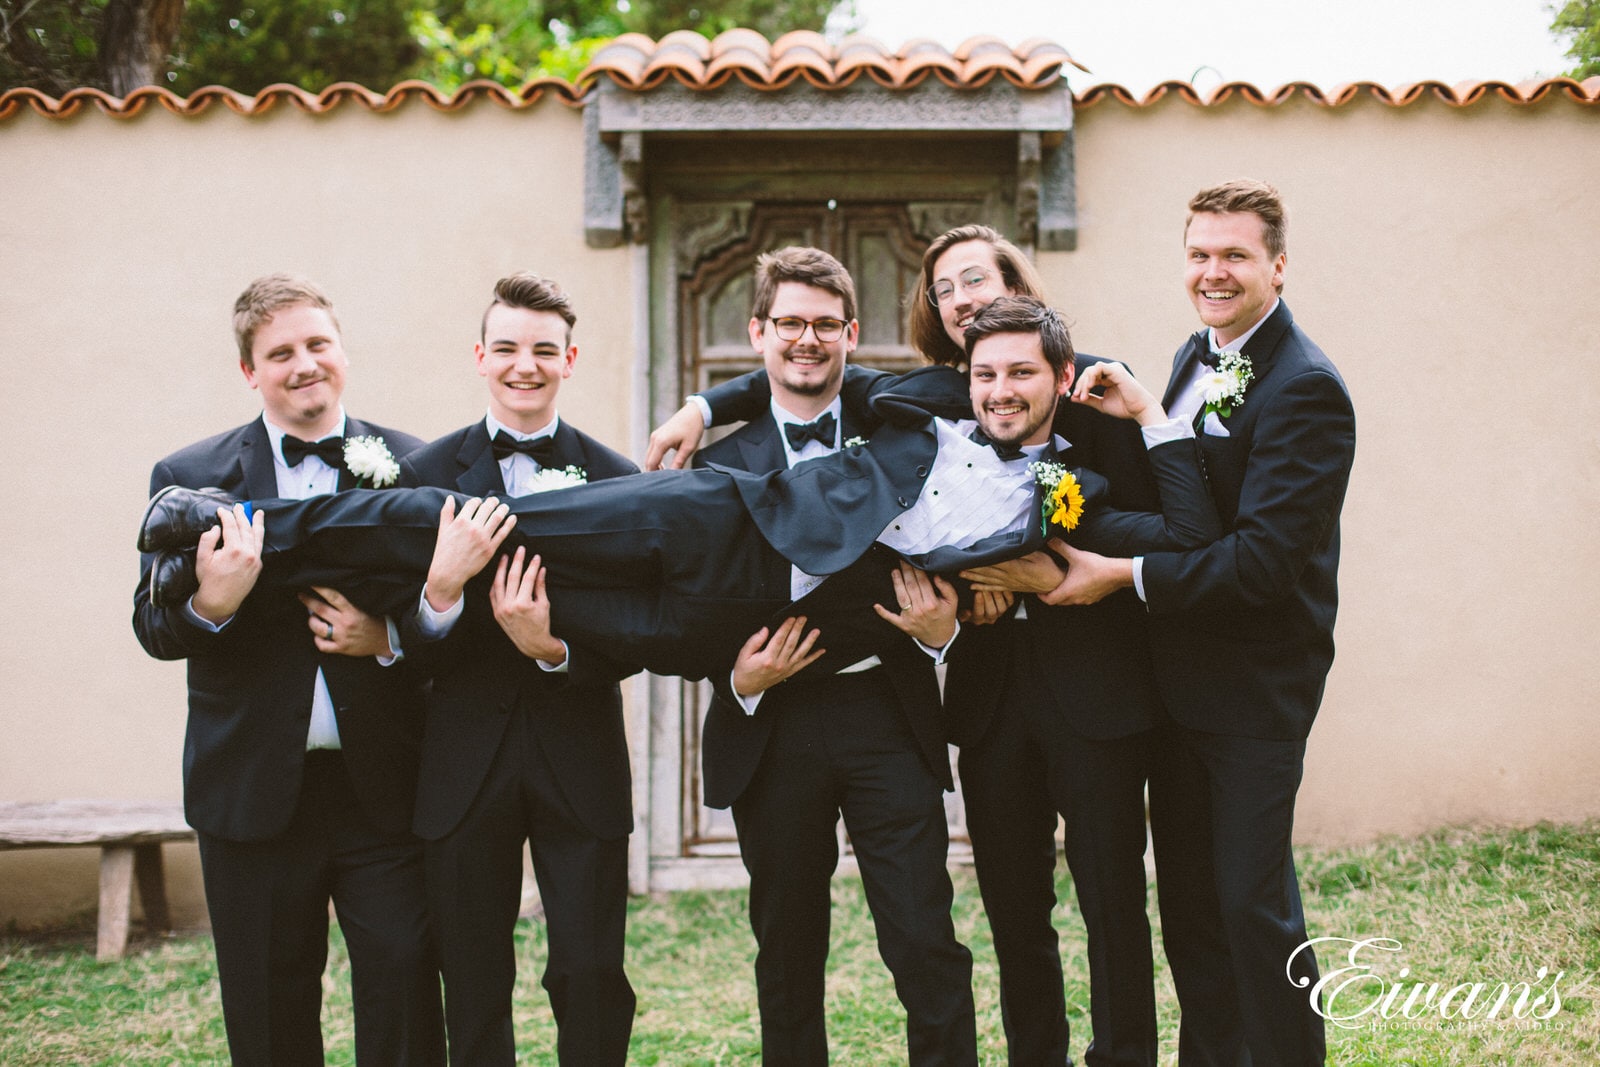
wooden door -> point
(703, 254)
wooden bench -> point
(129, 833)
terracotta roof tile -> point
(1462, 94)
(634, 61)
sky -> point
(1139, 43)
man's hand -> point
(988, 607)
(1037, 572)
(681, 432)
(341, 628)
(763, 663)
(1090, 577)
(466, 544)
(227, 562)
(1123, 396)
(927, 606)
(523, 610)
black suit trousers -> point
(1222, 815)
(475, 886)
(841, 745)
(671, 566)
(1027, 767)
(269, 914)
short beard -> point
(1027, 431)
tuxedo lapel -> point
(256, 463)
(1262, 348)
(480, 471)
(760, 448)
(1183, 366)
(569, 447)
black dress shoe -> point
(172, 578)
(176, 517)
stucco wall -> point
(1443, 257)
(122, 248)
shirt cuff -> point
(1162, 432)
(939, 654)
(204, 623)
(557, 668)
(705, 408)
(438, 623)
(748, 703)
(398, 653)
(1138, 578)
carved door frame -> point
(707, 220)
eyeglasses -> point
(971, 280)
(790, 328)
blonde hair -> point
(264, 298)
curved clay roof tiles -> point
(634, 61)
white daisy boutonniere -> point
(370, 460)
(1063, 496)
(1223, 388)
(854, 442)
(548, 478)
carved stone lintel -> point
(618, 122)
(864, 105)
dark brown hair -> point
(1024, 314)
(808, 266)
(528, 290)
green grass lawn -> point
(1466, 906)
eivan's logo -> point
(1346, 994)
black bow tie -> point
(822, 430)
(1004, 451)
(542, 450)
(330, 450)
(1203, 350)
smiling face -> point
(525, 355)
(972, 275)
(1014, 390)
(1231, 276)
(297, 362)
(805, 373)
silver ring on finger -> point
(330, 631)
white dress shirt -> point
(1186, 403)
(516, 472)
(310, 477)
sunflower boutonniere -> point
(369, 459)
(1224, 387)
(1063, 496)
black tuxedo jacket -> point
(250, 685)
(479, 677)
(1106, 686)
(1243, 628)
(733, 741)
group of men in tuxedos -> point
(1074, 678)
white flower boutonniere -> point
(549, 478)
(1063, 496)
(854, 442)
(370, 460)
(1223, 388)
